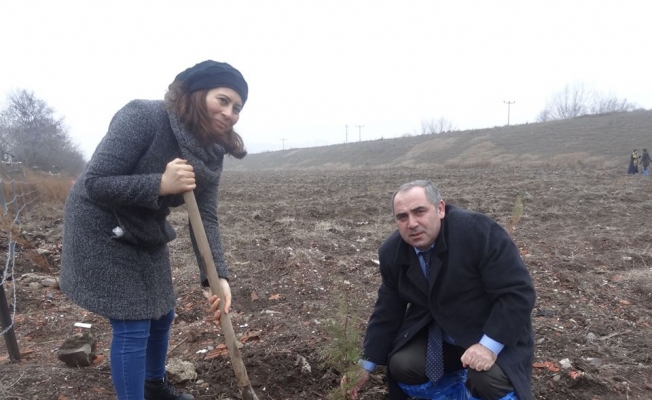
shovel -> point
(213, 280)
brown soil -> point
(298, 242)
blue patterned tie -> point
(434, 356)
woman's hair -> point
(191, 110)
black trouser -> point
(408, 366)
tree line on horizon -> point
(31, 134)
(574, 100)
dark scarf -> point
(206, 161)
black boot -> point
(162, 389)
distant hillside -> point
(601, 140)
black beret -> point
(211, 74)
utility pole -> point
(509, 105)
(283, 140)
(360, 132)
(346, 138)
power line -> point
(509, 105)
(360, 132)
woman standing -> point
(115, 259)
(633, 163)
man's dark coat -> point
(479, 285)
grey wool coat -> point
(479, 285)
(125, 273)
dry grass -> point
(27, 190)
(517, 213)
(32, 185)
(51, 189)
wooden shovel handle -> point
(214, 283)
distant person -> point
(115, 260)
(633, 163)
(454, 305)
(645, 161)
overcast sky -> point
(314, 67)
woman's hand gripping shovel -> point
(213, 280)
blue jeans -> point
(138, 352)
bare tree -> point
(610, 103)
(35, 136)
(436, 126)
(575, 100)
(544, 115)
(5, 140)
(572, 101)
(428, 126)
(71, 158)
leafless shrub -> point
(436, 126)
(576, 100)
(610, 103)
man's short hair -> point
(432, 193)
